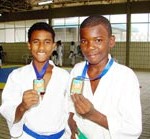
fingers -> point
(29, 99)
(73, 136)
(82, 105)
(73, 127)
(80, 102)
(79, 99)
(31, 95)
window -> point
(118, 23)
(140, 27)
(16, 31)
(66, 29)
(9, 35)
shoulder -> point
(61, 73)
(78, 68)
(79, 65)
(61, 70)
(23, 70)
(122, 68)
(122, 71)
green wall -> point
(17, 52)
(139, 54)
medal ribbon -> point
(105, 70)
(40, 74)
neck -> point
(39, 65)
(98, 67)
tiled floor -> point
(144, 79)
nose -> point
(41, 46)
(90, 45)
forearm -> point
(19, 113)
(98, 118)
(71, 114)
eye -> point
(82, 42)
(98, 40)
(47, 42)
(35, 42)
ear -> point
(54, 46)
(29, 46)
(112, 41)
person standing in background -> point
(60, 50)
(73, 53)
(54, 56)
(1, 55)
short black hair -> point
(59, 42)
(41, 26)
(97, 20)
(72, 42)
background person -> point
(1, 55)
(73, 53)
(55, 56)
(60, 51)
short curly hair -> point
(40, 26)
(97, 20)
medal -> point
(76, 86)
(78, 82)
(38, 85)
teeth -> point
(92, 56)
(41, 53)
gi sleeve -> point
(11, 98)
(126, 121)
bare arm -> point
(72, 125)
(29, 99)
(86, 109)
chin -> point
(42, 60)
(94, 61)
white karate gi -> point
(118, 97)
(60, 54)
(49, 116)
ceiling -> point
(11, 6)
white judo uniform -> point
(118, 97)
(49, 116)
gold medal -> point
(38, 85)
(77, 86)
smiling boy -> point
(108, 105)
(34, 97)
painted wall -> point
(139, 54)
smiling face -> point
(41, 45)
(96, 43)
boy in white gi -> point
(105, 95)
(34, 98)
